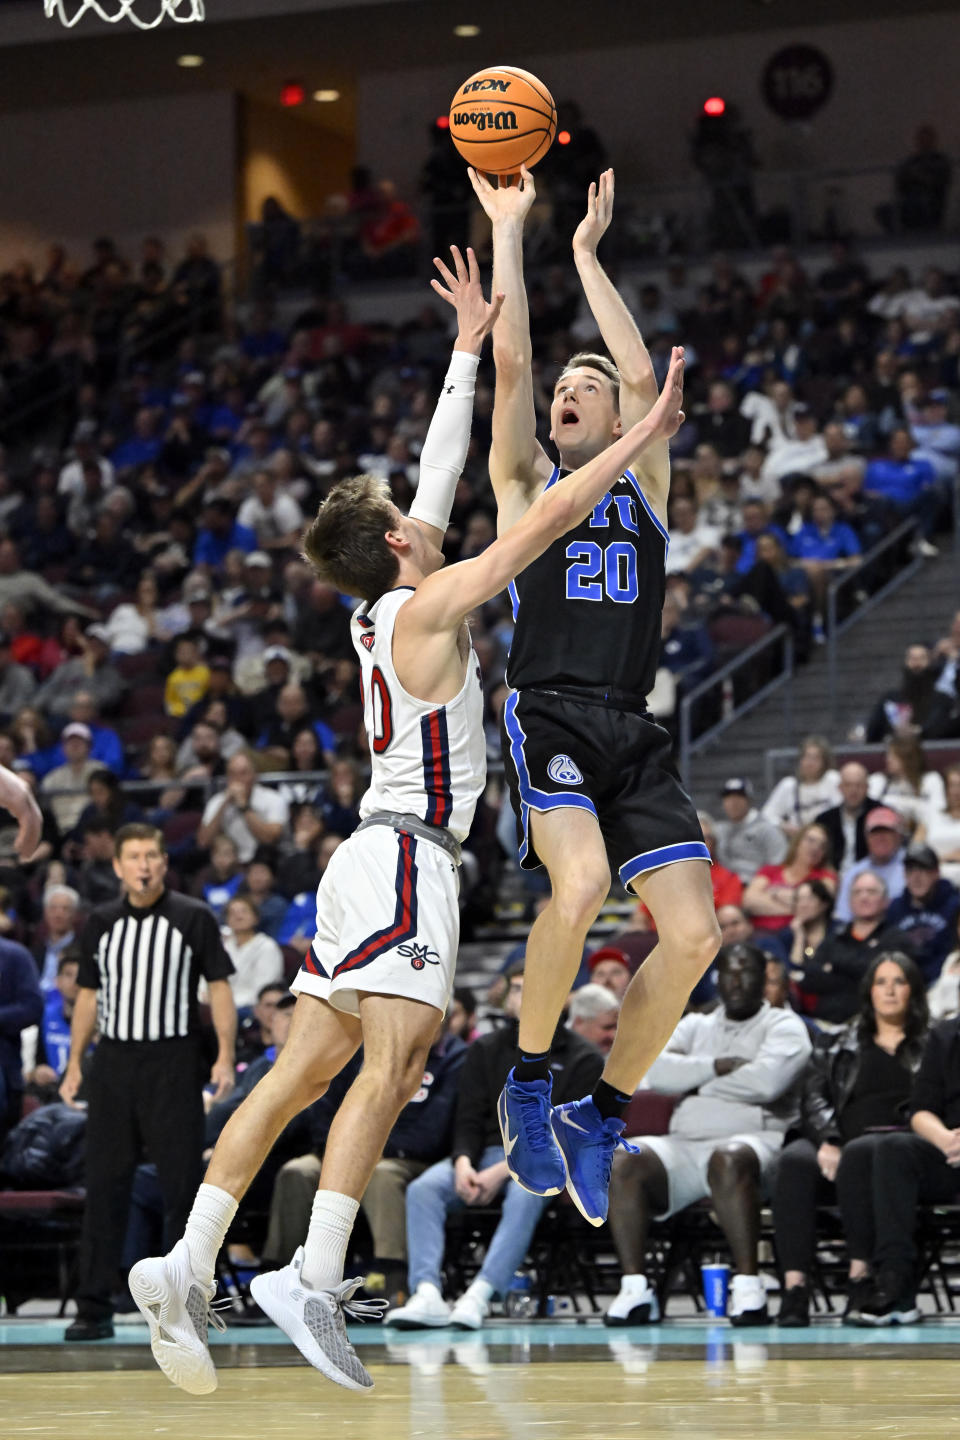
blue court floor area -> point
(37, 1345)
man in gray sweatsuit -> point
(744, 840)
(737, 1071)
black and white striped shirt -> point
(146, 963)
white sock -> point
(482, 1289)
(325, 1249)
(210, 1219)
(633, 1283)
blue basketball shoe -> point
(528, 1144)
(587, 1143)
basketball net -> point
(182, 11)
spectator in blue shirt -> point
(685, 649)
(142, 447)
(219, 533)
(300, 922)
(926, 912)
(909, 485)
(756, 522)
(823, 547)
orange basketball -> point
(502, 118)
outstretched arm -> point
(447, 596)
(17, 797)
(445, 447)
(518, 464)
(638, 384)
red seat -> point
(145, 700)
(39, 1202)
(181, 827)
(145, 666)
(733, 633)
(649, 1113)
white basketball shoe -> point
(314, 1320)
(176, 1306)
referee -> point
(142, 958)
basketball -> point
(502, 118)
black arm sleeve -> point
(929, 1088)
(88, 974)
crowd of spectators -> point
(163, 648)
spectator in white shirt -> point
(800, 455)
(692, 543)
(86, 450)
(257, 960)
(272, 514)
(798, 799)
(250, 814)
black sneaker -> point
(858, 1293)
(86, 1328)
(795, 1307)
(892, 1302)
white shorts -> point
(686, 1162)
(388, 922)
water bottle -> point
(519, 1302)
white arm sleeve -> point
(444, 452)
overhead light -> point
(190, 62)
(466, 32)
(326, 96)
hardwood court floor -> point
(912, 1399)
(522, 1383)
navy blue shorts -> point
(561, 752)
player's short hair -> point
(345, 545)
(138, 830)
(595, 362)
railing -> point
(24, 421)
(654, 221)
(782, 759)
(724, 681)
(860, 577)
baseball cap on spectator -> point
(98, 632)
(736, 785)
(276, 652)
(195, 377)
(922, 857)
(259, 557)
(938, 397)
(882, 818)
(76, 729)
(607, 952)
(198, 595)
(84, 432)
(803, 412)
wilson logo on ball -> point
(483, 120)
(473, 85)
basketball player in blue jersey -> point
(380, 970)
(589, 770)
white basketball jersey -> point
(427, 760)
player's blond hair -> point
(602, 363)
(345, 545)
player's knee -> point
(579, 894)
(693, 940)
(731, 1165)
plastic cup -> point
(716, 1287)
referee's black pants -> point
(145, 1101)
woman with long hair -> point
(811, 923)
(940, 828)
(771, 897)
(907, 784)
(132, 625)
(853, 1094)
(798, 799)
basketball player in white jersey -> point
(381, 968)
(590, 772)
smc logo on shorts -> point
(418, 955)
(563, 771)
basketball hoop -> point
(182, 11)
